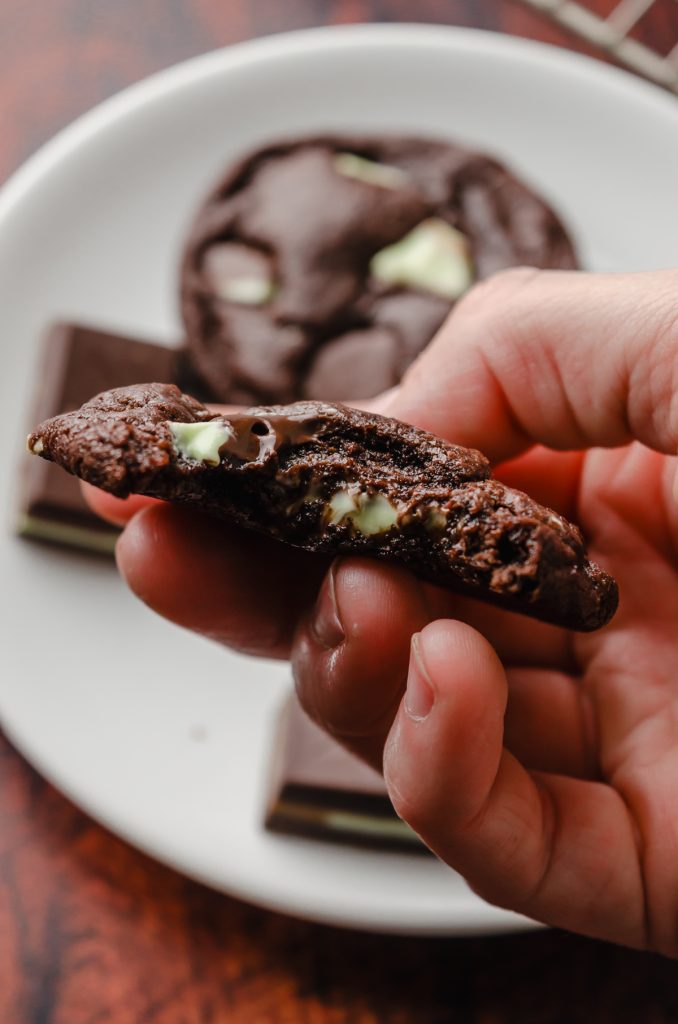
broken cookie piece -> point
(332, 479)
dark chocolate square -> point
(319, 790)
(76, 363)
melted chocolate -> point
(256, 438)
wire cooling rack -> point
(611, 34)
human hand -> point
(540, 764)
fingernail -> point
(419, 695)
(327, 627)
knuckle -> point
(489, 297)
(497, 306)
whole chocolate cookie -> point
(320, 268)
(330, 479)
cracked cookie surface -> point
(320, 267)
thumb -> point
(560, 849)
(564, 359)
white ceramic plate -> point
(162, 736)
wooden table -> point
(92, 931)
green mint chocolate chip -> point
(383, 175)
(200, 442)
(434, 256)
(248, 291)
(368, 514)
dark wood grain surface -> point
(92, 932)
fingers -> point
(351, 656)
(118, 511)
(563, 359)
(632, 484)
(550, 723)
(239, 588)
(552, 478)
(518, 640)
(558, 849)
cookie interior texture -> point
(331, 479)
(321, 267)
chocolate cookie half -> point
(320, 268)
(331, 479)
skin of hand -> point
(540, 764)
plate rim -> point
(147, 89)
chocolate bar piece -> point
(77, 362)
(321, 791)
